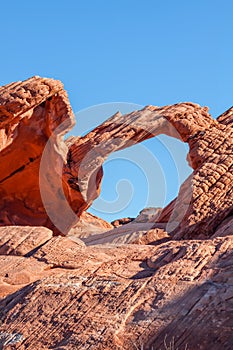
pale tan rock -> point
(148, 215)
(122, 221)
(89, 224)
(123, 234)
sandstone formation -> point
(21, 242)
(127, 233)
(122, 221)
(35, 115)
(89, 224)
(67, 296)
(148, 215)
(145, 215)
(31, 113)
(205, 198)
(161, 281)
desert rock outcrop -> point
(67, 296)
(31, 114)
(205, 198)
(66, 178)
(163, 278)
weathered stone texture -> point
(164, 277)
(205, 198)
(37, 110)
(119, 297)
(31, 113)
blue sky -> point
(135, 52)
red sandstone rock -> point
(123, 221)
(118, 297)
(22, 241)
(37, 110)
(205, 198)
(58, 293)
(225, 228)
(31, 113)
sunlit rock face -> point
(44, 180)
(32, 113)
(162, 280)
(108, 297)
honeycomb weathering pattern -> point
(37, 111)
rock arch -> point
(36, 113)
(203, 195)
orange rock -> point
(31, 113)
(62, 180)
(130, 287)
(208, 191)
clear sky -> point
(128, 51)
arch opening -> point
(148, 174)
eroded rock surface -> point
(64, 179)
(89, 224)
(31, 113)
(205, 198)
(119, 297)
(162, 278)
(22, 241)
